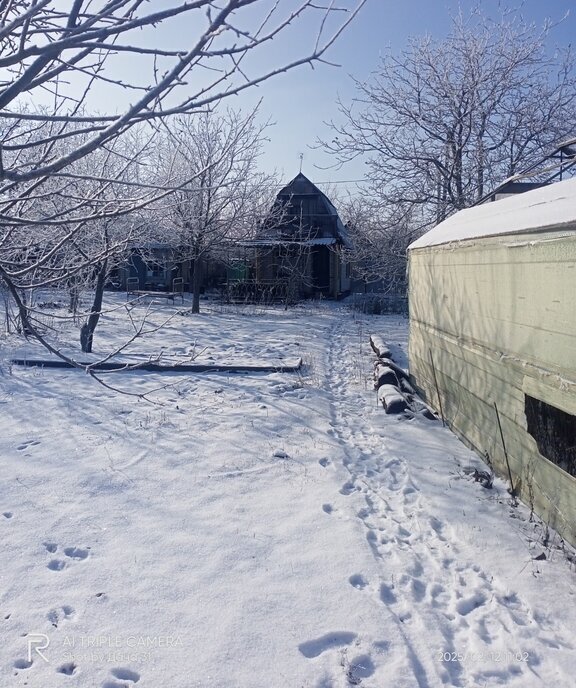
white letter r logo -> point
(37, 642)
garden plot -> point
(267, 529)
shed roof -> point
(550, 207)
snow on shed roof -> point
(552, 206)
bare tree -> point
(43, 45)
(379, 237)
(444, 121)
(220, 153)
(69, 231)
(68, 57)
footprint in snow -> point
(415, 569)
(418, 590)
(359, 668)
(410, 495)
(438, 527)
(67, 669)
(314, 648)
(127, 676)
(25, 445)
(324, 462)
(364, 513)
(387, 594)
(76, 553)
(435, 591)
(22, 664)
(347, 488)
(469, 604)
(7, 514)
(358, 581)
(56, 616)
(403, 536)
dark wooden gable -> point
(302, 212)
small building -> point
(493, 339)
(511, 188)
(298, 249)
(157, 265)
(152, 264)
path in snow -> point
(286, 529)
(447, 620)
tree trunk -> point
(23, 326)
(87, 330)
(74, 293)
(196, 283)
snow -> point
(384, 375)
(550, 207)
(380, 346)
(262, 529)
(391, 398)
(320, 241)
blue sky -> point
(301, 101)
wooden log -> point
(379, 346)
(154, 294)
(286, 366)
(384, 375)
(406, 387)
(400, 372)
(392, 399)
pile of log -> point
(392, 383)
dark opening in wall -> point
(554, 431)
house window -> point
(554, 431)
(155, 270)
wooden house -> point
(155, 266)
(493, 339)
(298, 247)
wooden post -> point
(512, 488)
(437, 388)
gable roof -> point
(300, 186)
(296, 193)
(550, 207)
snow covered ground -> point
(262, 530)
